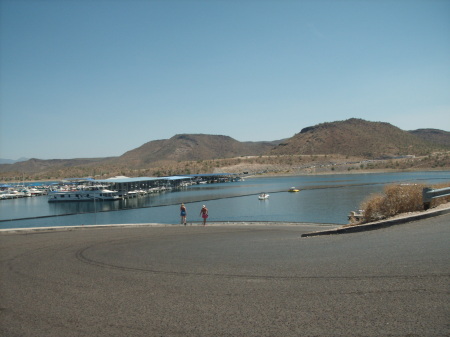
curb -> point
(377, 225)
(135, 225)
(79, 227)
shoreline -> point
(290, 174)
(351, 172)
(237, 218)
(338, 228)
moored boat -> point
(11, 193)
(85, 193)
(294, 189)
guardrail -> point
(428, 194)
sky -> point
(97, 78)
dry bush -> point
(402, 199)
(395, 200)
(372, 208)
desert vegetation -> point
(336, 147)
(357, 137)
(397, 199)
(253, 165)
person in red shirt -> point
(204, 214)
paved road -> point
(227, 281)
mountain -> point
(433, 136)
(7, 161)
(350, 138)
(187, 147)
(357, 137)
(183, 147)
(34, 165)
(12, 161)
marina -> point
(322, 199)
(88, 189)
(20, 191)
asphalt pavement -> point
(222, 280)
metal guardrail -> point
(429, 194)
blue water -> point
(322, 199)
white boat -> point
(132, 194)
(263, 196)
(36, 192)
(25, 192)
(11, 193)
(84, 193)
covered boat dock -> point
(131, 187)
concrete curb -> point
(378, 225)
(133, 225)
(70, 228)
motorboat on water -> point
(84, 193)
(294, 189)
(263, 196)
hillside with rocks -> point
(201, 153)
(434, 136)
(357, 137)
(162, 155)
(188, 147)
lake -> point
(322, 199)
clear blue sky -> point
(98, 78)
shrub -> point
(372, 208)
(402, 199)
(397, 199)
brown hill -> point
(434, 136)
(39, 165)
(356, 137)
(184, 147)
(353, 138)
(188, 147)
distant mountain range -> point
(352, 137)
(12, 161)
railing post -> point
(426, 197)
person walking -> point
(183, 213)
(204, 214)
